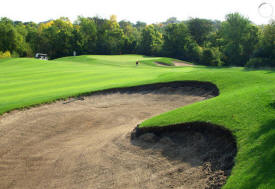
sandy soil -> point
(86, 144)
(182, 64)
(175, 63)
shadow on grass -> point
(263, 169)
(244, 69)
(216, 67)
(269, 70)
(272, 105)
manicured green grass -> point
(166, 61)
(246, 104)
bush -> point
(194, 53)
(15, 54)
(211, 57)
(6, 54)
(259, 62)
(218, 62)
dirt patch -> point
(86, 142)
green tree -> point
(267, 41)
(110, 37)
(200, 29)
(56, 38)
(12, 37)
(211, 57)
(86, 35)
(32, 36)
(178, 43)
(140, 25)
(264, 55)
(115, 36)
(240, 39)
(131, 37)
(151, 41)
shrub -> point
(15, 54)
(194, 52)
(211, 57)
(6, 54)
(207, 57)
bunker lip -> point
(205, 85)
(212, 145)
(208, 86)
(163, 64)
(199, 126)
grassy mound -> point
(245, 105)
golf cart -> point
(41, 56)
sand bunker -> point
(175, 63)
(87, 143)
(182, 64)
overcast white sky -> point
(149, 11)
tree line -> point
(233, 42)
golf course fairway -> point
(244, 105)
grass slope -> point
(246, 104)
